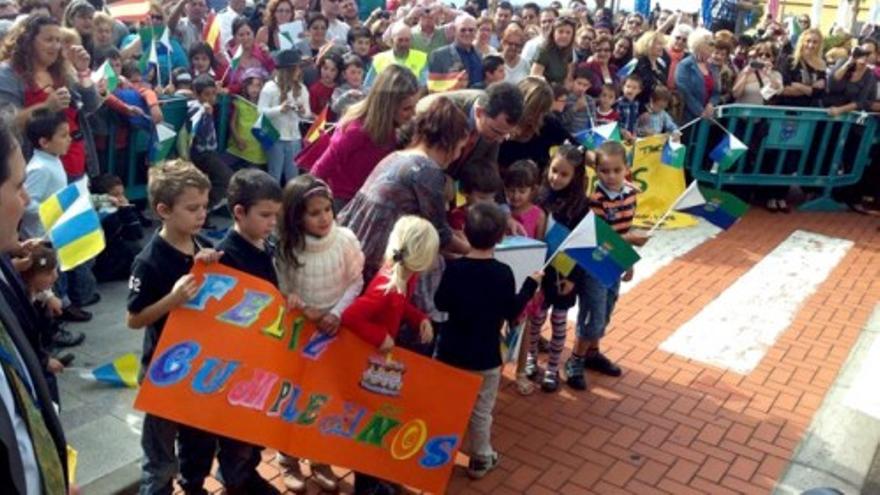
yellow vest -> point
(415, 61)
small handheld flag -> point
(727, 152)
(72, 225)
(594, 137)
(627, 69)
(153, 61)
(163, 143)
(211, 33)
(673, 154)
(106, 73)
(599, 250)
(129, 10)
(236, 58)
(317, 127)
(442, 82)
(265, 132)
(718, 207)
(122, 372)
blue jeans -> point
(281, 156)
(595, 305)
(196, 453)
(76, 286)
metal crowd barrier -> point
(787, 147)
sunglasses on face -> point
(466, 30)
(764, 55)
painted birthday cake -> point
(383, 375)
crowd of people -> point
(411, 137)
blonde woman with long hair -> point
(367, 133)
(285, 100)
(804, 73)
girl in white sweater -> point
(320, 270)
(285, 100)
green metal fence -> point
(787, 147)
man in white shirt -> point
(337, 31)
(226, 16)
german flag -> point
(129, 10)
(317, 128)
(211, 33)
(440, 82)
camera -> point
(756, 65)
(857, 52)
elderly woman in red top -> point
(35, 74)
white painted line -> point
(735, 330)
(863, 396)
(664, 247)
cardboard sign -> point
(232, 361)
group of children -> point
(318, 265)
(581, 111)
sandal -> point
(523, 385)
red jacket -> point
(376, 314)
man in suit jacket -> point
(459, 58)
(20, 471)
(492, 113)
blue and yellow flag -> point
(72, 225)
(122, 372)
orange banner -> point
(233, 362)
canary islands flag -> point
(727, 152)
(163, 142)
(599, 250)
(555, 236)
(594, 137)
(718, 207)
(72, 225)
(265, 132)
(673, 154)
(122, 372)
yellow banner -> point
(660, 184)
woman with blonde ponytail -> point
(376, 316)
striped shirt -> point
(616, 208)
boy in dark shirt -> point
(160, 281)
(479, 294)
(254, 198)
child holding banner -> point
(376, 315)
(563, 197)
(254, 198)
(320, 266)
(479, 294)
(614, 200)
(160, 281)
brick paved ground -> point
(670, 425)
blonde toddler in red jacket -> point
(376, 316)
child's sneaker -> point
(523, 385)
(480, 466)
(598, 362)
(550, 382)
(574, 373)
(532, 370)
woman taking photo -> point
(367, 133)
(554, 59)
